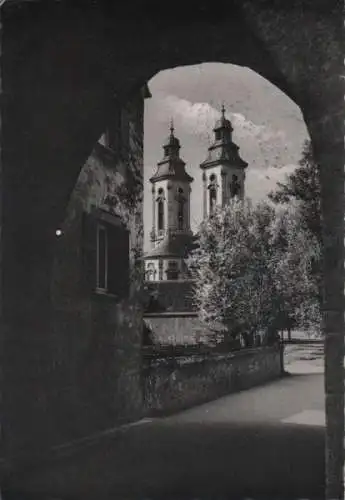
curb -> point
(80, 444)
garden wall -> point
(173, 384)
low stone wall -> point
(175, 384)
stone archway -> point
(55, 98)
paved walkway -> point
(307, 358)
(266, 442)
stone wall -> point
(99, 335)
(175, 384)
(79, 371)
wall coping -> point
(186, 280)
(212, 356)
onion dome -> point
(223, 123)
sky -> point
(268, 127)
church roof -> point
(171, 166)
(171, 140)
(173, 245)
(223, 150)
(223, 153)
(223, 123)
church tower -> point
(223, 170)
(171, 234)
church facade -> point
(223, 175)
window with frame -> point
(235, 186)
(160, 215)
(106, 254)
(172, 270)
(151, 272)
(160, 270)
(102, 258)
(180, 211)
(212, 194)
(116, 135)
(160, 210)
(213, 199)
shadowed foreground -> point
(224, 449)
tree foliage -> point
(303, 186)
(252, 269)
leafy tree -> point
(295, 290)
(252, 269)
(303, 186)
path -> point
(266, 442)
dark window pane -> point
(160, 270)
(180, 215)
(160, 215)
(213, 200)
(118, 258)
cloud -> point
(192, 118)
(199, 118)
(259, 182)
(245, 127)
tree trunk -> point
(289, 333)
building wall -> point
(173, 187)
(169, 296)
(153, 264)
(227, 179)
(98, 336)
(170, 189)
(223, 182)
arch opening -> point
(62, 134)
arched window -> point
(180, 214)
(160, 215)
(212, 193)
(160, 209)
(218, 135)
(235, 186)
(213, 199)
(151, 272)
(180, 209)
